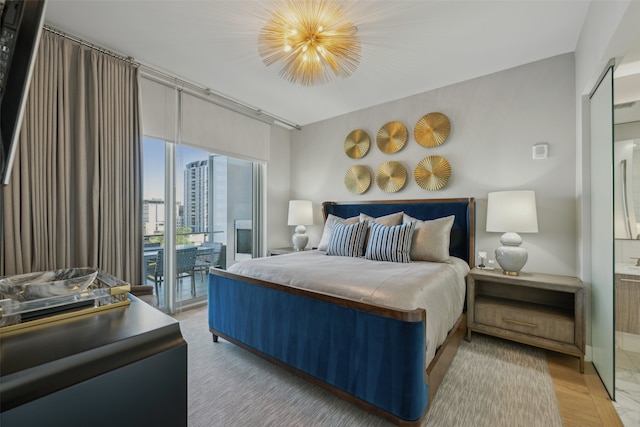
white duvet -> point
(439, 288)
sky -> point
(153, 167)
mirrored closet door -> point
(626, 192)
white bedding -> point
(439, 288)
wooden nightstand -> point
(543, 310)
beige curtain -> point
(74, 194)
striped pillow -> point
(390, 243)
(347, 240)
(328, 229)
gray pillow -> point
(431, 238)
(388, 220)
(328, 229)
(391, 219)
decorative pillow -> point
(431, 238)
(328, 229)
(347, 240)
(391, 219)
(390, 243)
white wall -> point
(277, 189)
(495, 121)
(239, 201)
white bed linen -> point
(438, 287)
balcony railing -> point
(189, 238)
(208, 254)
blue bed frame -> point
(371, 355)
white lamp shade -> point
(300, 212)
(512, 211)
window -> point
(208, 187)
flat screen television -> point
(20, 29)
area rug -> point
(491, 382)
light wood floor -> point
(582, 398)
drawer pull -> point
(517, 322)
(630, 280)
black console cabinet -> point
(126, 367)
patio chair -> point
(185, 267)
(155, 272)
(211, 258)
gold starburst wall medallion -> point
(432, 130)
(391, 176)
(432, 173)
(357, 144)
(391, 137)
(357, 179)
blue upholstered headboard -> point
(462, 232)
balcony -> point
(195, 253)
(184, 288)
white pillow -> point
(328, 229)
(431, 238)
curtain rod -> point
(57, 32)
(219, 99)
(206, 91)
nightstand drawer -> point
(525, 318)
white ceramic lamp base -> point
(511, 256)
(300, 239)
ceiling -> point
(408, 47)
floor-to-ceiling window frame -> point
(222, 179)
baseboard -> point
(588, 353)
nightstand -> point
(543, 310)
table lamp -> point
(511, 212)
(300, 214)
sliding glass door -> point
(153, 214)
(213, 222)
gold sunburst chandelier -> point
(313, 40)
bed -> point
(382, 342)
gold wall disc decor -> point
(432, 130)
(391, 137)
(357, 179)
(357, 144)
(432, 173)
(391, 176)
